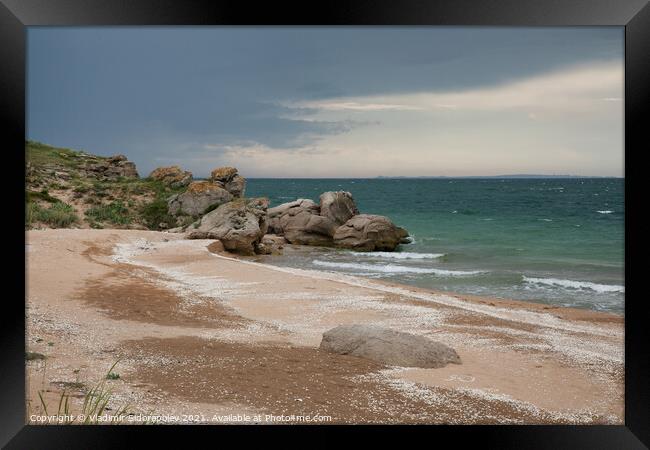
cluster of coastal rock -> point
(248, 226)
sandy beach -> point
(204, 337)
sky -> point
(334, 101)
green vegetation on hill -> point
(115, 213)
(43, 155)
(64, 189)
(57, 215)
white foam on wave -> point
(405, 255)
(605, 212)
(393, 268)
(571, 284)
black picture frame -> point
(634, 15)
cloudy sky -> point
(334, 102)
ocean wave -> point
(427, 239)
(394, 268)
(581, 285)
(605, 212)
(405, 255)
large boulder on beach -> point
(275, 240)
(338, 206)
(291, 208)
(172, 176)
(367, 232)
(335, 222)
(239, 225)
(306, 228)
(388, 346)
(230, 180)
(199, 197)
(300, 223)
(271, 244)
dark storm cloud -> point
(121, 89)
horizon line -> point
(513, 176)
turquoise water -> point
(557, 241)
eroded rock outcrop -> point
(308, 229)
(223, 174)
(300, 223)
(368, 232)
(301, 204)
(239, 225)
(224, 185)
(199, 197)
(172, 176)
(112, 168)
(388, 346)
(230, 179)
(335, 222)
(338, 206)
(271, 244)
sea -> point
(558, 241)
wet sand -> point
(206, 337)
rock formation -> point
(230, 179)
(308, 229)
(366, 232)
(300, 223)
(239, 225)
(295, 206)
(112, 168)
(388, 346)
(338, 206)
(223, 174)
(200, 197)
(271, 244)
(173, 176)
(335, 222)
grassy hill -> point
(63, 191)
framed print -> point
(365, 217)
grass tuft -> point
(115, 212)
(94, 406)
(57, 215)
